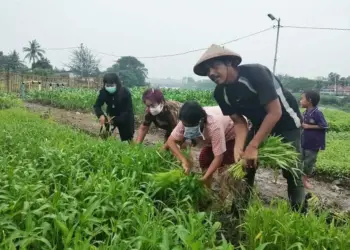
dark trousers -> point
(296, 192)
(309, 159)
(126, 130)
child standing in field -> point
(314, 133)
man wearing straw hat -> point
(253, 91)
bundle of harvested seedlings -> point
(167, 179)
(175, 185)
(274, 154)
(106, 129)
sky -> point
(144, 28)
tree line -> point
(298, 84)
(83, 63)
(294, 84)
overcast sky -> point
(155, 27)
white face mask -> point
(192, 132)
(156, 110)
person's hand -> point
(206, 181)
(165, 147)
(237, 154)
(305, 126)
(102, 120)
(250, 156)
(187, 166)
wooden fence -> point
(11, 82)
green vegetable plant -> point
(62, 189)
(275, 154)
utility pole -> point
(81, 51)
(277, 39)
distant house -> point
(65, 74)
(336, 89)
(165, 83)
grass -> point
(64, 190)
(9, 101)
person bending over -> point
(119, 107)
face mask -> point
(156, 110)
(193, 132)
(111, 90)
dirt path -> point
(331, 194)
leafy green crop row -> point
(61, 189)
(83, 99)
(338, 121)
(334, 161)
(276, 228)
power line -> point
(315, 28)
(61, 48)
(243, 37)
(201, 49)
(189, 51)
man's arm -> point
(266, 86)
(240, 123)
(241, 132)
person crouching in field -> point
(161, 112)
(209, 129)
(314, 133)
(119, 106)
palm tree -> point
(34, 52)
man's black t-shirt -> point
(255, 88)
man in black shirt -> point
(253, 91)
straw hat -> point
(215, 51)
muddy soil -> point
(332, 195)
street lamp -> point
(273, 18)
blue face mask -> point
(111, 90)
(193, 132)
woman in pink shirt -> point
(208, 128)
